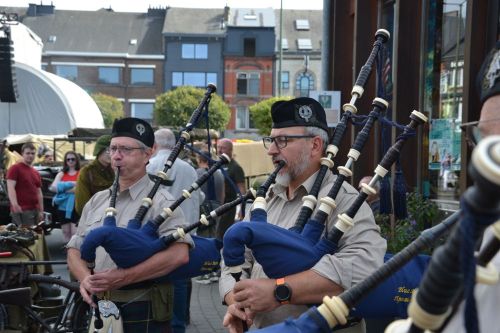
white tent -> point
(47, 103)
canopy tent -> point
(48, 105)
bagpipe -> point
(452, 265)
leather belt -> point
(129, 295)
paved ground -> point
(206, 309)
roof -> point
(292, 34)
(194, 22)
(100, 31)
(44, 97)
(246, 17)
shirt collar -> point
(136, 189)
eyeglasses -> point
(281, 141)
(70, 159)
(472, 132)
(123, 149)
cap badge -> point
(140, 129)
(305, 112)
(493, 71)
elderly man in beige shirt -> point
(132, 289)
(299, 137)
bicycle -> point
(49, 310)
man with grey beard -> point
(299, 137)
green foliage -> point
(261, 114)
(110, 107)
(174, 108)
(422, 214)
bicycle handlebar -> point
(74, 286)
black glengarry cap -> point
(134, 128)
(302, 111)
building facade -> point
(248, 64)
(83, 46)
(431, 63)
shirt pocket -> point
(84, 227)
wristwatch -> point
(282, 291)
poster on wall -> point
(330, 100)
(444, 143)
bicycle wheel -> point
(80, 317)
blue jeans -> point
(179, 319)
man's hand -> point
(85, 291)
(109, 279)
(256, 295)
(233, 319)
(40, 216)
(16, 208)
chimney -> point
(40, 10)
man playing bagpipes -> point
(144, 306)
(487, 295)
(299, 137)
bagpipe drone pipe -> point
(134, 244)
(381, 37)
(452, 265)
(282, 252)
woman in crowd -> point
(64, 187)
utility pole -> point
(280, 43)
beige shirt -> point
(360, 252)
(127, 204)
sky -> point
(142, 6)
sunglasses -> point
(71, 159)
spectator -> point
(64, 185)
(24, 189)
(95, 176)
(236, 178)
(182, 175)
(373, 199)
(214, 196)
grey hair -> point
(316, 131)
(165, 138)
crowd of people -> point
(147, 304)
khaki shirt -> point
(361, 250)
(127, 204)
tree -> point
(175, 107)
(261, 113)
(110, 107)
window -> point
(302, 24)
(109, 75)
(143, 111)
(304, 84)
(69, 72)
(142, 76)
(243, 118)
(248, 84)
(285, 80)
(194, 51)
(304, 44)
(195, 79)
(284, 44)
(249, 47)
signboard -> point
(444, 140)
(330, 100)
